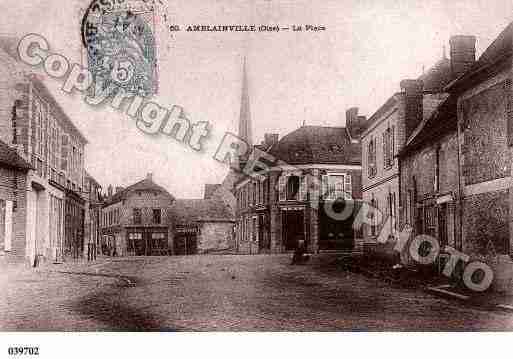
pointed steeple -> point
(245, 131)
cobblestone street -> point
(223, 293)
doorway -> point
(186, 244)
(293, 228)
(263, 238)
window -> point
(254, 193)
(371, 159)
(64, 153)
(374, 205)
(265, 194)
(157, 216)
(391, 210)
(137, 215)
(436, 180)
(337, 186)
(38, 119)
(14, 124)
(254, 229)
(132, 239)
(292, 187)
(159, 240)
(388, 148)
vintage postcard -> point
(255, 166)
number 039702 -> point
(21, 351)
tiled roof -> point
(11, 158)
(317, 144)
(499, 49)
(144, 185)
(188, 211)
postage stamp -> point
(120, 44)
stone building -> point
(92, 233)
(13, 201)
(137, 220)
(429, 186)
(455, 168)
(485, 136)
(33, 122)
(203, 225)
(391, 127)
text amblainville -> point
(221, 28)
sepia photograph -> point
(292, 169)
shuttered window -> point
(348, 187)
(303, 187)
(281, 187)
(324, 187)
(336, 186)
(371, 159)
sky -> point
(368, 47)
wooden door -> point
(293, 228)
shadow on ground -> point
(109, 308)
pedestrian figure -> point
(300, 255)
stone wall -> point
(483, 120)
(485, 218)
(486, 166)
(216, 236)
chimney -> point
(463, 54)
(149, 176)
(271, 139)
(109, 191)
(354, 124)
(413, 107)
(119, 188)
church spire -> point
(245, 131)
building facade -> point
(13, 215)
(394, 123)
(137, 220)
(299, 201)
(92, 232)
(203, 225)
(34, 123)
(429, 181)
(485, 134)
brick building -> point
(392, 126)
(284, 206)
(137, 220)
(277, 210)
(34, 123)
(13, 215)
